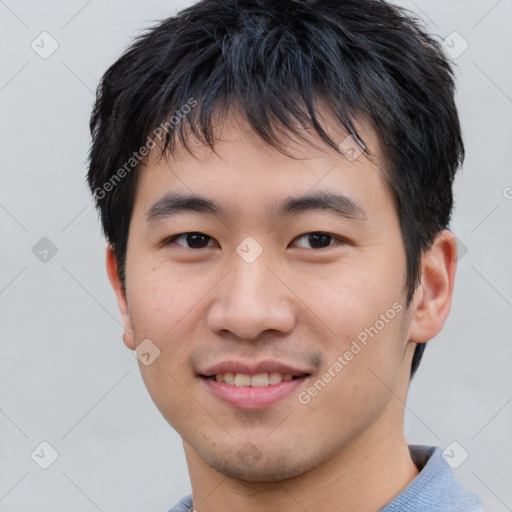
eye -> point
(194, 240)
(318, 240)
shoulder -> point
(435, 488)
(184, 505)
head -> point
(248, 104)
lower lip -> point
(248, 397)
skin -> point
(345, 449)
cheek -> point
(167, 306)
(364, 311)
(160, 298)
(162, 310)
(349, 299)
(357, 382)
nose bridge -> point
(251, 282)
(251, 299)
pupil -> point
(194, 240)
(313, 239)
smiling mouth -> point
(257, 380)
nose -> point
(251, 300)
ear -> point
(113, 275)
(433, 297)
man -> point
(275, 183)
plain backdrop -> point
(67, 379)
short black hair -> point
(272, 61)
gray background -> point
(67, 378)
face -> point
(277, 318)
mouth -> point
(257, 386)
(258, 380)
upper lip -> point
(253, 368)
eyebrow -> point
(174, 203)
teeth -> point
(242, 380)
(274, 378)
(258, 380)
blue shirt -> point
(435, 489)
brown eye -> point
(193, 240)
(318, 240)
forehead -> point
(243, 170)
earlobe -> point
(113, 275)
(432, 299)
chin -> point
(259, 469)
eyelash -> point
(171, 240)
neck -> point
(365, 476)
